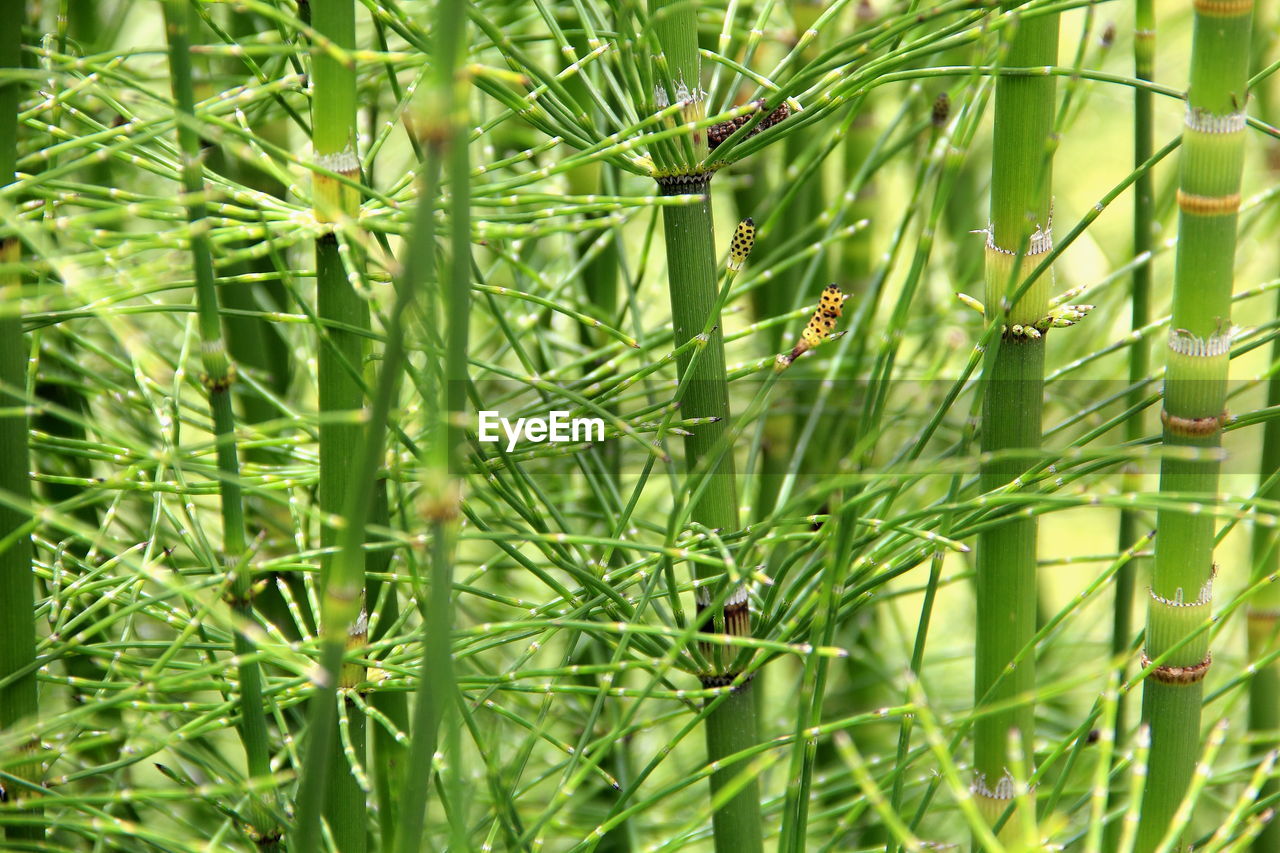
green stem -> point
(391, 756)
(1139, 315)
(691, 261)
(1131, 526)
(444, 131)
(1264, 607)
(1264, 611)
(1013, 376)
(691, 276)
(1210, 169)
(18, 703)
(341, 363)
(217, 378)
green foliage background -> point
(572, 719)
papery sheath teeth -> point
(1204, 121)
(1006, 788)
(1041, 240)
(1184, 342)
(1205, 596)
(342, 162)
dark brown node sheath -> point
(1192, 426)
(1178, 675)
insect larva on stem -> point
(744, 238)
(820, 326)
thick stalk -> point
(1195, 392)
(1144, 37)
(1019, 235)
(691, 276)
(17, 595)
(690, 244)
(217, 379)
(341, 361)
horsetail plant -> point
(537, 675)
(1018, 238)
(217, 379)
(1176, 658)
(691, 277)
(1263, 613)
(18, 703)
(1144, 37)
(344, 315)
(442, 134)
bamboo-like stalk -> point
(217, 379)
(341, 360)
(443, 133)
(691, 262)
(1013, 379)
(1195, 393)
(18, 701)
(1144, 38)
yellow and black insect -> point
(744, 238)
(820, 325)
(832, 300)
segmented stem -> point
(218, 378)
(1013, 376)
(691, 259)
(1177, 652)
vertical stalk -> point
(59, 391)
(1144, 43)
(1263, 608)
(1264, 611)
(442, 131)
(18, 703)
(217, 379)
(254, 342)
(390, 756)
(1144, 38)
(690, 244)
(1195, 393)
(1013, 376)
(341, 360)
